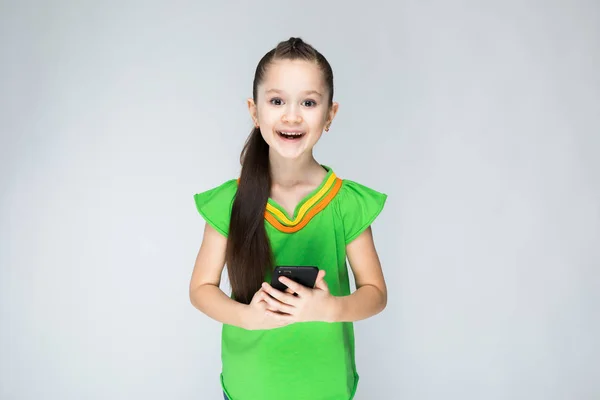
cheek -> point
(316, 119)
(267, 116)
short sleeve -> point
(214, 205)
(359, 206)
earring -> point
(327, 128)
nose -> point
(291, 115)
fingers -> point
(261, 297)
(258, 297)
(263, 301)
(279, 295)
(276, 305)
(293, 286)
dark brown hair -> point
(249, 256)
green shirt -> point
(308, 360)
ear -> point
(331, 114)
(253, 112)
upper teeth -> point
(291, 133)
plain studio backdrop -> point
(480, 120)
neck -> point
(286, 172)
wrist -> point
(245, 317)
(334, 309)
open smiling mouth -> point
(291, 135)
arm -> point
(370, 297)
(205, 293)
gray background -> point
(481, 120)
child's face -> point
(292, 100)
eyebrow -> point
(307, 92)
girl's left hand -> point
(316, 304)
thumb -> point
(320, 282)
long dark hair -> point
(249, 256)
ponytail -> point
(248, 254)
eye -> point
(276, 101)
(310, 103)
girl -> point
(287, 209)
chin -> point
(288, 154)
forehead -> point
(293, 76)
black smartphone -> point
(306, 276)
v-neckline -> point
(305, 198)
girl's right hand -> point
(257, 317)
